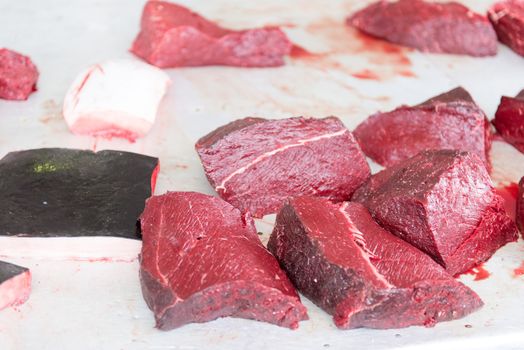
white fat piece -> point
(115, 98)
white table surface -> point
(98, 305)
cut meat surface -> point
(18, 75)
(364, 276)
(118, 98)
(15, 285)
(256, 164)
(173, 36)
(428, 26)
(54, 192)
(202, 259)
(520, 207)
(509, 120)
(442, 202)
(448, 121)
(507, 18)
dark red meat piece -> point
(507, 18)
(520, 207)
(442, 202)
(341, 259)
(256, 164)
(509, 120)
(15, 285)
(428, 26)
(173, 36)
(202, 259)
(18, 75)
(448, 121)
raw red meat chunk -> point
(509, 120)
(256, 164)
(173, 36)
(364, 276)
(18, 75)
(15, 285)
(428, 26)
(448, 121)
(508, 19)
(202, 259)
(442, 202)
(520, 207)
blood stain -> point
(509, 193)
(519, 271)
(366, 74)
(479, 272)
(299, 52)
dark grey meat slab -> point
(53, 192)
(8, 271)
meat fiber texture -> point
(451, 120)
(428, 26)
(520, 207)
(15, 285)
(509, 120)
(18, 75)
(116, 98)
(52, 195)
(364, 276)
(173, 36)
(442, 202)
(202, 259)
(256, 164)
(507, 18)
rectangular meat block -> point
(442, 202)
(202, 259)
(341, 259)
(15, 285)
(173, 36)
(67, 203)
(256, 164)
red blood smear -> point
(300, 52)
(479, 272)
(366, 74)
(519, 271)
(372, 44)
(407, 73)
(509, 193)
(154, 178)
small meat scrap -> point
(15, 285)
(428, 26)
(256, 164)
(341, 259)
(520, 207)
(174, 36)
(18, 75)
(54, 192)
(509, 120)
(451, 120)
(507, 18)
(202, 259)
(116, 98)
(444, 203)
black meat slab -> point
(15, 284)
(53, 192)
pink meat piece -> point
(202, 259)
(451, 120)
(15, 285)
(364, 276)
(444, 203)
(18, 75)
(173, 36)
(428, 26)
(256, 164)
(507, 18)
(509, 120)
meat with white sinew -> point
(116, 98)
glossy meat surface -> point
(507, 18)
(509, 120)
